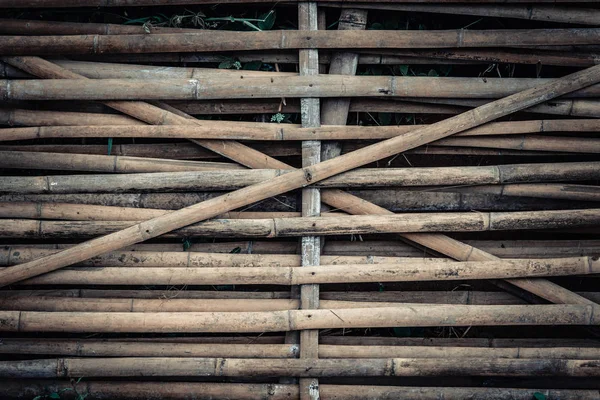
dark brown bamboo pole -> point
(247, 87)
(272, 132)
(360, 178)
(104, 163)
(218, 41)
(27, 389)
(310, 226)
(414, 315)
(540, 190)
(510, 103)
(352, 273)
(162, 366)
(100, 348)
(569, 15)
(527, 142)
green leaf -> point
(230, 64)
(109, 145)
(385, 118)
(186, 244)
(237, 250)
(268, 20)
(279, 118)
(37, 397)
(137, 21)
(432, 72)
(253, 66)
(403, 69)
(539, 396)
(54, 396)
(376, 26)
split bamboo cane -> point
(219, 41)
(481, 115)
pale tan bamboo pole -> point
(178, 366)
(151, 114)
(310, 246)
(287, 132)
(70, 304)
(569, 15)
(248, 87)
(104, 163)
(18, 389)
(481, 116)
(218, 41)
(350, 273)
(101, 348)
(21, 117)
(527, 142)
(358, 179)
(307, 226)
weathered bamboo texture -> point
(248, 87)
(98, 163)
(104, 348)
(310, 246)
(218, 41)
(352, 273)
(468, 120)
(539, 190)
(568, 15)
(273, 132)
(360, 178)
(316, 226)
(27, 389)
(390, 297)
(413, 315)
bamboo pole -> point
(540, 190)
(414, 315)
(102, 348)
(308, 226)
(352, 273)
(214, 88)
(21, 117)
(510, 103)
(161, 366)
(104, 163)
(272, 132)
(358, 179)
(27, 389)
(568, 15)
(219, 41)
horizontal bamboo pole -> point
(468, 120)
(360, 178)
(248, 86)
(104, 163)
(568, 15)
(352, 273)
(27, 389)
(22, 117)
(414, 315)
(539, 190)
(101, 348)
(316, 226)
(274, 132)
(218, 41)
(527, 142)
(427, 297)
(162, 366)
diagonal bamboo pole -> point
(344, 201)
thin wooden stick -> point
(219, 41)
(414, 315)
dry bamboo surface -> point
(413, 315)
(25, 389)
(100, 348)
(307, 226)
(273, 132)
(539, 190)
(218, 41)
(351, 273)
(220, 87)
(360, 178)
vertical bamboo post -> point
(311, 197)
